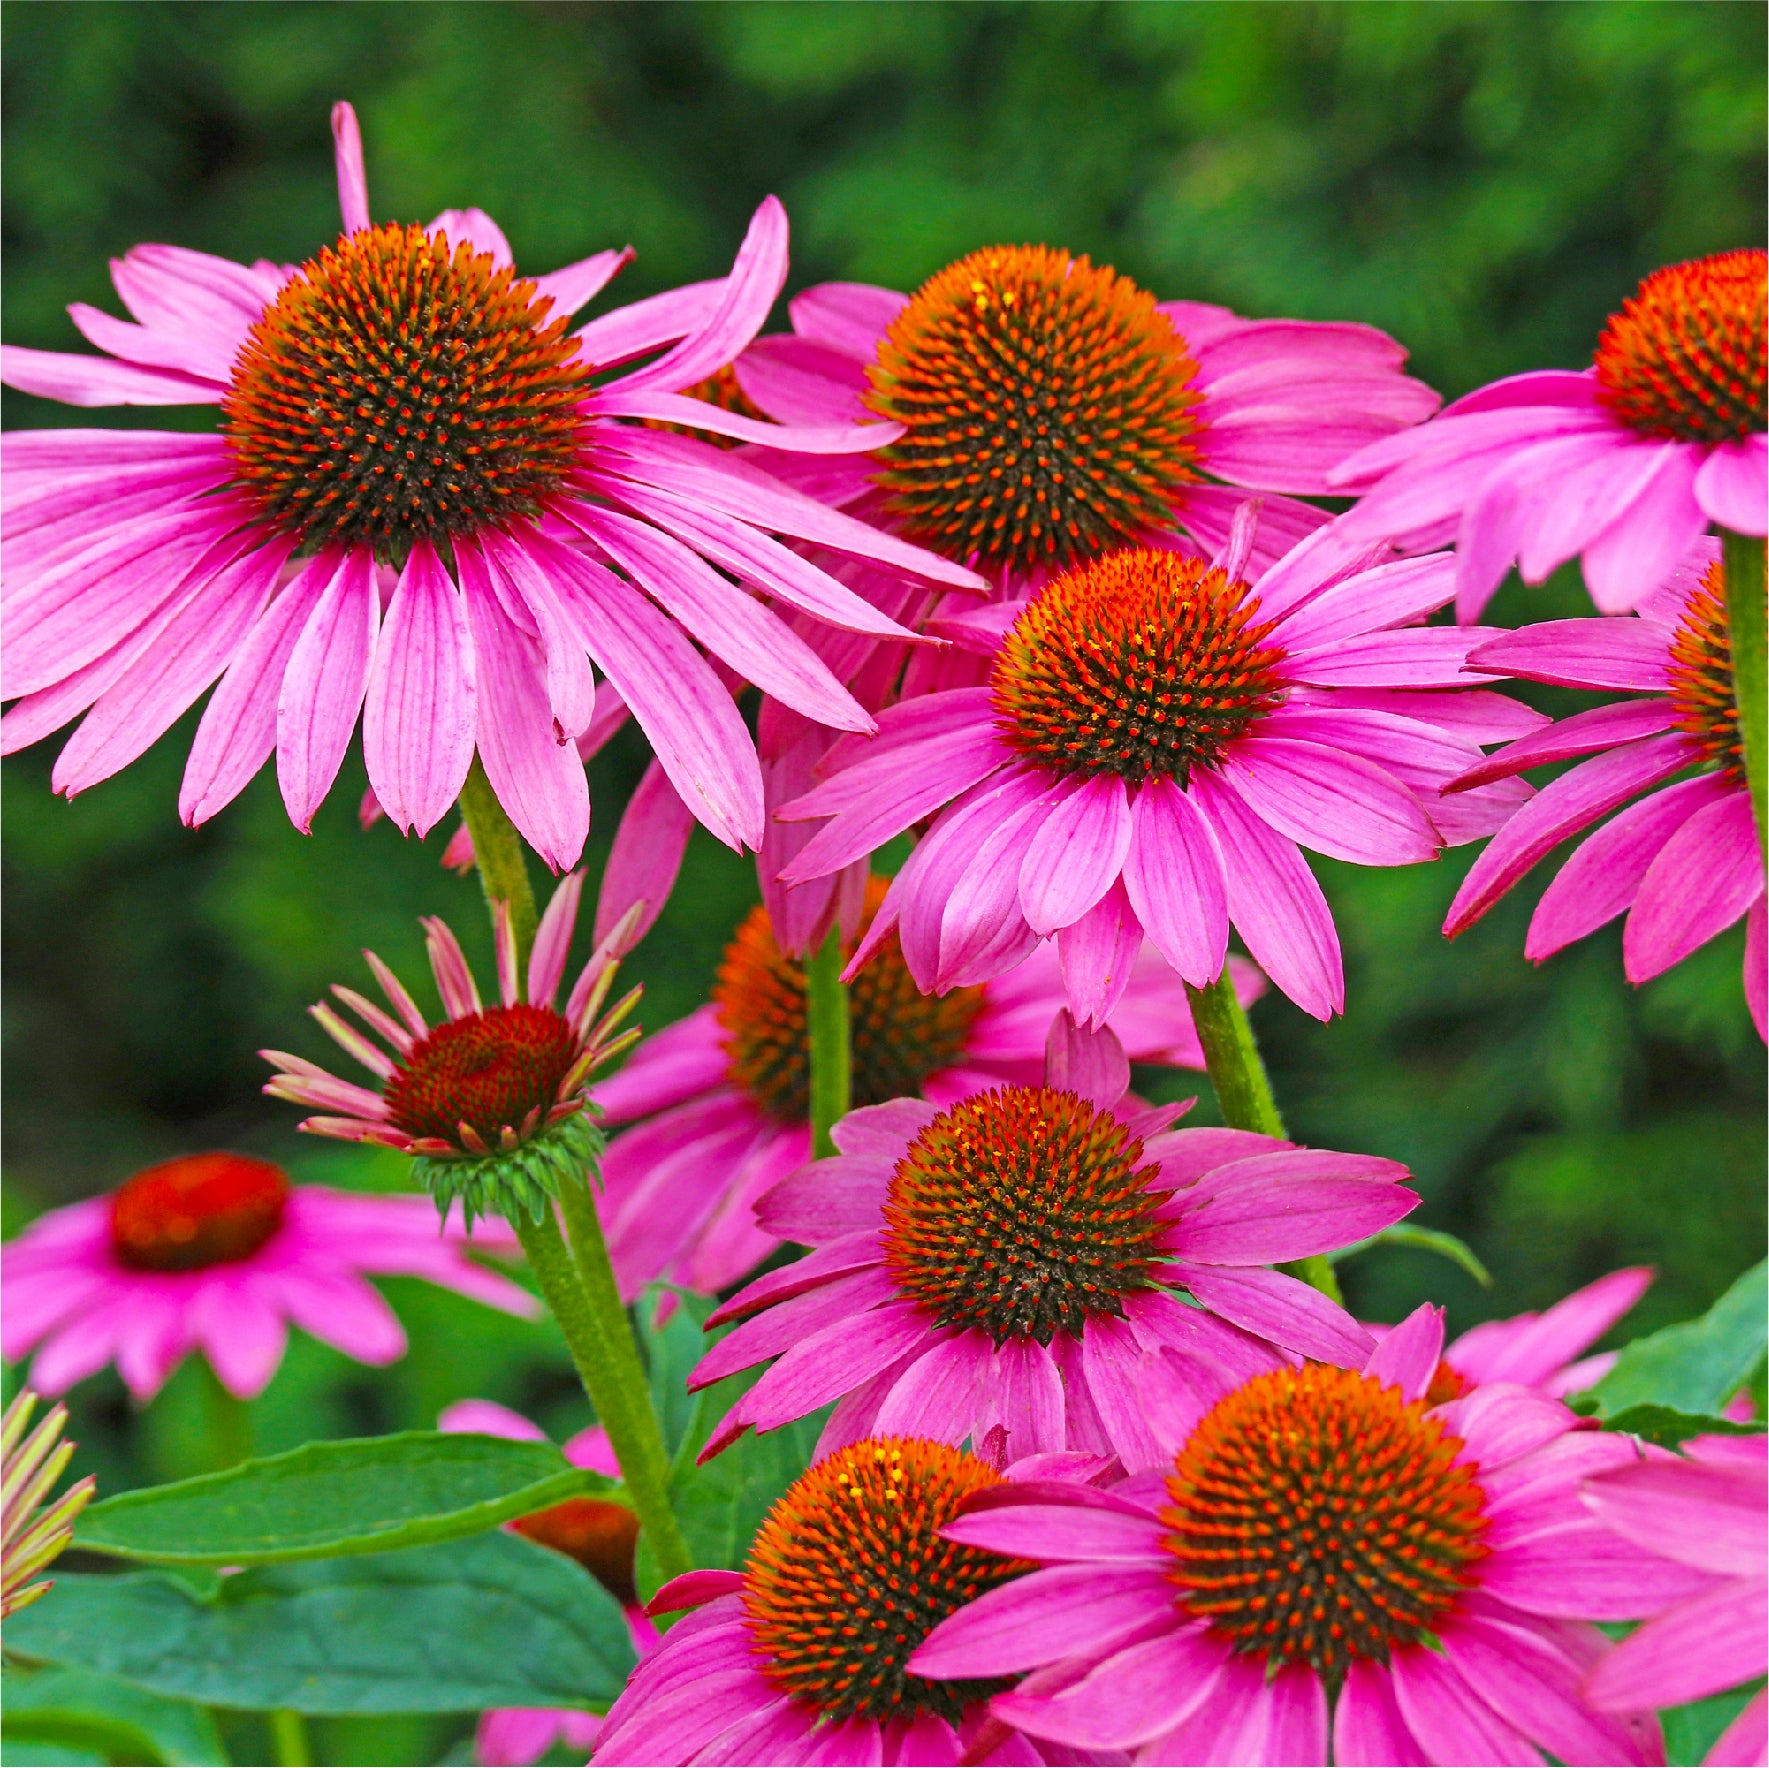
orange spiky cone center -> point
(495, 1070)
(197, 1211)
(1702, 690)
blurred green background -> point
(1485, 182)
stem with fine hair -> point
(578, 1283)
(288, 1731)
(497, 850)
(1243, 1090)
(1746, 619)
(601, 1346)
(826, 1022)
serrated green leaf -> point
(1668, 1427)
(79, 1710)
(1449, 1246)
(493, 1621)
(1697, 1366)
(368, 1495)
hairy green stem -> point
(1243, 1090)
(288, 1732)
(638, 1444)
(1746, 620)
(826, 1020)
(230, 1421)
(497, 850)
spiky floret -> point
(1020, 1212)
(1685, 356)
(33, 1534)
(599, 1534)
(849, 1574)
(1702, 688)
(1319, 1517)
(520, 1180)
(898, 1035)
(1141, 663)
(401, 389)
(481, 1077)
(1049, 406)
(197, 1210)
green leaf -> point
(1692, 1731)
(78, 1710)
(1668, 1427)
(1695, 1367)
(493, 1621)
(671, 1351)
(370, 1495)
(1456, 1250)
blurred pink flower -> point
(1705, 1512)
(424, 509)
(726, 1090)
(1624, 464)
(1683, 862)
(1011, 1264)
(600, 1536)
(219, 1253)
(1158, 740)
(1313, 1533)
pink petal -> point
(1630, 655)
(1090, 1064)
(1077, 854)
(1098, 954)
(1585, 733)
(1532, 1347)
(1272, 1212)
(641, 326)
(1705, 1516)
(353, 187)
(942, 1393)
(552, 940)
(1275, 902)
(1056, 1534)
(1284, 1310)
(1586, 1572)
(571, 690)
(240, 1332)
(323, 687)
(1732, 485)
(1414, 657)
(849, 317)
(646, 855)
(1756, 967)
(419, 716)
(798, 382)
(1174, 878)
(1368, 1731)
(1568, 804)
(477, 229)
(576, 285)
(1329, 800)
(538, 779)
(488, 1418)
(697, 414)
(1745, 1741)
(96, 380)
(1407, 1357)
(1702, 880)
(1705, 1644)
(1384, 596)
(1638, 550)
(1452, 1722)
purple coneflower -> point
(1623, 465)
(726, 1091)
(1323, 1561)
(1685, 862)
(1012, 1264)
(428, 505)
(1157, 741)
(219, 1253)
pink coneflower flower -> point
(426, 506)
(727, 1090)
(1052, 410)
(1623, 465)
(800, 1656)
(1684, 862)
(1157, 741)
(219, 1253)
(1322, 1556)
(492, 1100)
(1707, 1512)
(596, 1532)
(33, 1532)
(1011, 1262)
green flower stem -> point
(1745, 617)
(638, 1444)
(826, 1019)
(497, 850)
(601, 1345)
(230, 1421)
(288, 1732)
(1243, 1090)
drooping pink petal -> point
(1275, 1208)
(575, 285)
(419, 717)
(1407, 1357)
(324, 685)
(1638, 550)
(353, 186)
(1090, 1064)
(1448, 1717)
(1585, 733)
(1174, 880)
(1333, 802)
(653, 406)
(1275, 902)
(1076, 855)
(1282, 1309)
(796, 381)
(1531, 1347)
(1707, 1643)
(1702, 880)
(1098, 954)
(646, 855)
(96, 380)
(1629, 655)
(571, 690)
(1413, 657)
(1568, 804)
(1732, 486)
(1368, 1731)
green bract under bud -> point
(519, 1182)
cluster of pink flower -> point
(1026, 565)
